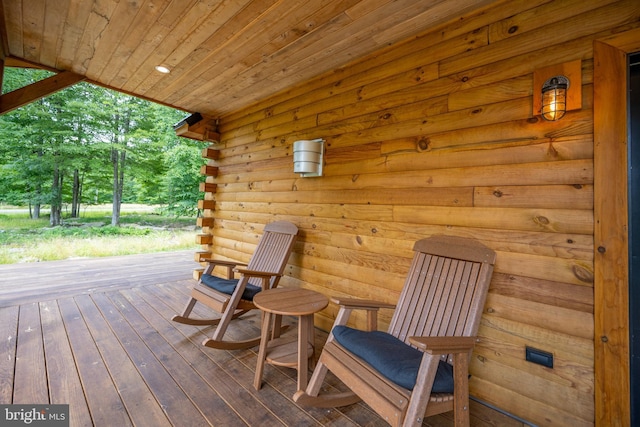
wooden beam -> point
(12, 61)
(611, 256)
(4, 44)
(19, 97)
(4, 47)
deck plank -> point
(64, 383)
(41, 281)
(30, 384)
(167, 392)
(104, 401)
(8, 334)
(187, 362)
(142, 407)
(239, 395)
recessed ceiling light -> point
(162, 69)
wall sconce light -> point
(554, 98)
(557, 89)
(308, 157)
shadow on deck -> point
(95, 334)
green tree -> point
(87, 144)
(183, 178)
(25, 170)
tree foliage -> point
(89, 145)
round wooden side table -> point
(302, 303)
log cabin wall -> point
(437, 136)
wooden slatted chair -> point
(420, 366)
(234, 297)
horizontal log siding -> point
(436, 136)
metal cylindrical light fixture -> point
(308, 157)
(554, 98)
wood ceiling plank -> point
(100, 17)
(54, 21)
(325, 87)
(332, 50)
(435, 16)
(184, 50)
(240, 28)
(119, 25)
(281, 64)
(395, 20)
(175, 12)
(165, 40)
(77, 15)
(239, 50)
(249, 41)
(19, 97)
(143, 24)
(364, 32)
(365, 7)
(301, 35)
(33, 29)
(141, 44)
(138, 47)
(12, 27)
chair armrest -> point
(223, 262)
(444, 345)
(213, 263)
(254, 273)
(265, 276)
(355, 303)
(349, 304)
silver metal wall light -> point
(308, 157)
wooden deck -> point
(95, 334)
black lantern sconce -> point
(554, 98)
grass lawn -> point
(92, 235)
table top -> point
(290, 301)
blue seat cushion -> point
(394, 359)
(227, 286)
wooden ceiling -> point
(223, 54)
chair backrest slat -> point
(445, 289)
(273, 250)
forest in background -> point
(87, 145)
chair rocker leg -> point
(333, 400)
(185, 319)
(218, 343)
(195, 322)
(231, 345)
(310, 397)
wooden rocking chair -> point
(234, 297)
(406, 374)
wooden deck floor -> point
(96, 334)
